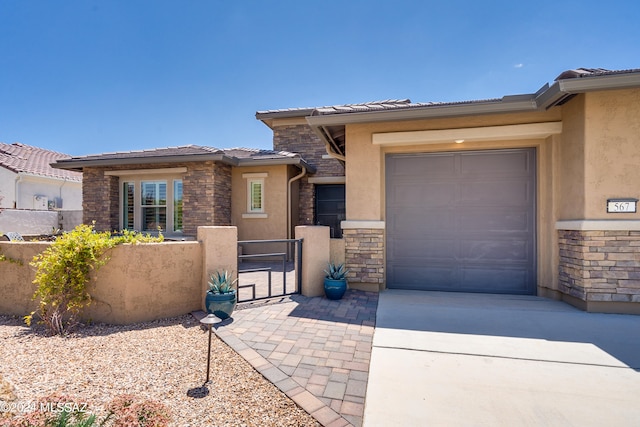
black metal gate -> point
(259, 265)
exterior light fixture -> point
(209, 321)
(459, 141)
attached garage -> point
(462, 221)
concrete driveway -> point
(451, 359)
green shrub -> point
(63, 273)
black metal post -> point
(209, 321)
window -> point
(151, 202)
(330, 207)
(256, 195)
(128, 205)
(177, 205)
(154, 205)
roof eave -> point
(284, 114)
(605, 82)
(79, 164)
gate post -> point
(219, 251)
(316, 252)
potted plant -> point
(221, 298)
(335, 281)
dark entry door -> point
(330, 207)
(462, 221)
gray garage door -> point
(462, 221)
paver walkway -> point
(315, 350)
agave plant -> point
(336, 272)
(221, 282)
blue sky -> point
(93, 76)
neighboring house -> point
(506, 195)
(177, 189)
(27, 181)
(513, 195)
(35, 198)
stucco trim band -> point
(488, 133)
(599, 225)
(372, 225)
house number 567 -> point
(621, 205)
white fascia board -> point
(488, 133)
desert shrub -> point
(131, 412)
(63, 273)
(59, 410)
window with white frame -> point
(151, 203)
(255, 194)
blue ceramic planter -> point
(221, 305)
(334, 289)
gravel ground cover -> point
(164, 361)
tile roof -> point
(189, 150)
(403, 104)
(254, 153)
(21, 158)
(187, 153)
(185, 150)
(387, 105)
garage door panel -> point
(506, 251)
(462, 221)
(490, 192)
(437, 222)
(432, 249)
(416, 278)
(429, 165)
(494, 220)
(511, 163)
(412, 194)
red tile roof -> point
(21, 158)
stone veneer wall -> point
(600, 266)
(364, 255)
(206, 195)
(301, 139)
(100, 199)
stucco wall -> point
(612, 154)
(139, 283)
(7, 188)
(256, 227)
(28, 222)
(571, 161)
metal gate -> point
(269, 268)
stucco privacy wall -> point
(138, 283)
(34, 223)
